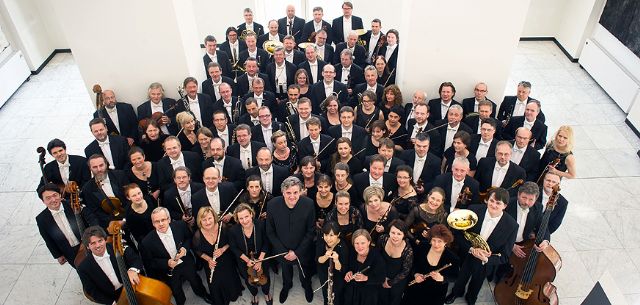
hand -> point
(61, 260)
(386, 284)
(419, 278)
(379, 229)
(130, 141)
(257, 266)
(218, 252)
(186, 218)
(226, 218)
(360, 277)
(212, 263)
(480, 254)
(133, 277)
(291, 256)
(436, 276)
(517, 250)
(156, 194)
(318, 165)
(425, 234)
(348, 277)
(182, 253)
(263, 215)
(543, 245)
(165, 120)
(172, 263)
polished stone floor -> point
(598, 237)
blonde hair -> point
(569, 132)
(243, 207)
(358, 233)
(203, 212)
(371, 191)
(184, 117)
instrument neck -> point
(130, 291)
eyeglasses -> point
(264, 115)
(157, 221)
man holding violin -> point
(158, 107)
(103, 194)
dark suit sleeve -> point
(306, 242)
(48, 240)
(91, 289)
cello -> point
(529, 283)
(149, 291)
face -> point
(522, 137)
(526, 200)
(367, 103)
(484, 111)
(345, 60)
(550, 180)
(135, 195)
(278, 57)
(211, 47)
(370, 77)
(137, 160)
(245, 219)
(523, 93)
(458, 145)
(314, 131)
(301, 80)
(321, 39)
(172, 148)
(480, 92)
(375, 28)
(393, 118)
(59, 153)
(392, 39)
(328, 72)
(376, 169)
(243, 137)
(160, 221)
(324, 188)
(232, 37)
(189, 125)
(291, 11)
(294, 93)
(182, 180)
(97, 245)
(454, 116)
(52, 200)
(437, 244)
(434, 201)
(346, 118)
(153, 133)
(361, 245)
(346, 11)
(531, 112)
(308, 170)
(99, 131)
(248, 17)
(291, 194)
(317, 16)
(251, 67)
(377, 133)
(304, 110)
(258, 87)
(264, 159)
(390, 96)
(446, 94)
(374, 203)
(395, 236)
(204, 140)
(273, 27)
(421, 148)
(459, 171)
(207, 221)
(342, 205)
(503, 154)
(252, 109)
(281, 143)
(331, 238)
(403, 178)
(487, 131)
(192, 89)
(225, 92)
(98, 168)
(215, 73)
(344, 150)
(351, 40)
(264, 115)
(386, 152)
(310, 54)
(332, 107)
(254, 188)
(494, 206)
(380, 65)
(155, 95)
(418, 97)
(220, 121)
(109, 98)
(211, 178)
(289, 44)
(562, 139)
(340, 176)
(421, 114)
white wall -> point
(52, 24)
(211, 20)
(543, 18)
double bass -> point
(529, 283)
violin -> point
(256, 278)
(463, 197)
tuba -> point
(463, 220)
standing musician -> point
(271, 35)
(271, 175)
(358, 53)
(472, 104)
(329, 85)
(174, 158)
(398, 258)
(177, 198)
(453, 122)
(425, 216)
(342, 26)
(199, 105)
(119, 117)
(499, 171)
(230, 167)
(227, 103)
(320, 146)
(524, 155)
(312, 28)
(348, 73)
(292, 237)
(390, 51)
(529, 121)
(515, 105)
(211, 85)
(527, 212)
(248, 242)
(255, 196)
(291, 53)
(291, 24)
(499, 230)
(376, 213)
(324, 48)
(348, 130)
(249, 25)
(455, 182)
(365, 271)
(222, 129)
(233, 46)
(58, 226)
(298, 121)
(283, 155)
(375, 176)
(113, 147)
(104, 182)
(368, 83)
(313, 65)
(261, 97)
(99, 272)
(65, 167)
(374, 40)
(555, 220)
(263, 131)
(165, 250)
(211, 245)
(425, 165)
(255, 60)
(484, 144)
(245, 150)
(158, 103)
(475, 121)
(420, 124)
(217, 194)
(281, 73)
(439, 107)
(216, 56)
(560, 148)
(345, 215)
(332, 253)
(418, 97)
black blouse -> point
(364, 120)
(355, 222)
(406, 260)
(450, 154)
(150, 185)
(153, 150)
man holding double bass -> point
(102, 195)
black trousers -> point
(287, 272)
(186, 272)
(474, 272)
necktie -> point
(103, 144)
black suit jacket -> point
(92, 197)
(264, 37)
(257, 28)
(486, 167)
(361, 182)
(227, 48)
(395, 162)
(235, 103)
(262, 57)
(327, 148)
(230, 128)
(294, 120)
(392, 63)
(298, 57)
(336, 26)
(256, 131)
(243, 86)
(328, 53)
(78, 171)
(144, 112)
(206, 109)
(435, 113)
(279, 174)
(445, 181)
(358, 136)
(361, 87)
(356, 75)
(534, 218)
(208, 89)
(309, 28)
(227, 192)
(156, 256)
(469, 104)
(317, 95)
(268, 99)
(436, 142)
(223, 60)
(171, 199)
(53, 237)
(474, 121)
(359, 55)
(234, 151)
(119, 151)
(305, 65)
(296, 30)
(443, 132)
(530, 162)
(127, 121)
(232, 171)
(475, 143)
(290, 70)
(96, 283)
(192, 160)
(376, 50)
(508, 105)
(430, 170)
(539, 131)
(555, 220)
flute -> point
(429, 275)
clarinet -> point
(236, 112)
(330, 294)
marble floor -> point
(595, 238)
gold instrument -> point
(361, 32)
(236, 112)
(463, 220)
(291, 132)
(291, 109)
(271, 45)
(304, 45)
(244, 33)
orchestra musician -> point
(211, 85)
(439, 107)
(249, 25)
(313, 65)
(524, 155)
(346, 216)
(459, 148)
(530, 121)
(346, 72)
(390, 50)
(385, 75)
(291, 24)
(320, 146)
(138, 212)
(174, 158)
(342, 180)
(358, 54)
(472, 104)
(475, 121)
(420, 124)
(233, 47)
(557, 215)
(144, 173)
(426, 216)
(200, 105)
(331, 252)
(216, 194)
(217, 56)
(365, 271)
(281, 73)
(312, 28)
(245, 150)
(302, 80)
(331, 113)
(222, 129)
(324, 200)
(484, 144)
(188, 129)
(320, 90)
(418, 97)
(255, 196)
(346, 129)
(263, 131)
(177, 198)
(323, 46)
(499, 171)
(113, 147)
(455, 182)
(65, 167)
(371, 39)
(376, 213)
(560, 147)
(283, 155)
(367, 111)
(369, 83)
(253, 66)
(152, 141)
(343, 25)
(386, 149)
(397, 133)
(271, 35)
(230, 167)
(406, 197)
(392, 97)
(104, 182)
(375, 176)
(308, 175)
(270, 174)
(344, 154)
(250, 118)
(397, 254)
(425, 165)
(514, 105)
(454, 124)
(262, 97)
(291, 53)
(298, 121)
(159, 103)
(57, 225)
(119, 117)
(203, 136)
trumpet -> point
(291, 132)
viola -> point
(256, 278)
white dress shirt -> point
(483, 148)
(545, 199)
(213, 57)
(451, 131)
(317, 26)
(489, 224)
(281, 78)
(316, 144)
(245, 156)
(65, 169)
(418, 128)
(390, 49)
(345, 74)
(373, 182)
(214, 199)
(235, 50)
(346, 133)
(63, 223)
(519, 107)
(219, 164)
(113, 114)
(498, 174)
(522, 220)
(228, 106)
(456, 188)
(169, 243)
(105, 147)
(373, 42)
(527, 124)
(249, 26)
(418, 166)
(443, 109)
(346, 27)
(259, 99)
(178, 162)
(224, 134)
(158, 108)
(267, 179)
(517, 154)
(304, 132)
(185, 196)
(328, 89)
(288, 56)
(216, 88)
(104, 262)
(266, 133)
(194, 106)
(106, 187)
(320, 52)
(313, 66)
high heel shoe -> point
(269, 299)
(255, 300)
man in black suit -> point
(271, 35)
(211, 85)
(115, 148)
(99, 271)
(527, 211)
(299, 121)
(270, 174)
(455, 182)
(319, 91)
(250, 118)
(104, 182)
(64, 168)
(484, 112)
(291, 52)
(472, 104)
(524, 155)
(228, 104)
(529, 121)
(358, 53)
(391, 49)
(374, 176)
(560, 209)
(340, 26)
(426, 165)
(233, 47)
(177, 198)
(323, 48)
(515, 105)
(57, 225)
(261, 57)
(217, 56)
(453, 123)
(119, 117)
(260, 95)
(221, 128)
(245, 149)
(484, 144)
(291, 24)
(348, 73)
(386, 149)
(290, 105)
(263, 131)
(347, 129)
(200, 105)
(439, 107)
(369, 83)
(243, 83)
(249, 25)
(159, 103)
(165, 250)
(499, 171)
(419, 97)
(317, 145)
(281, 73)
(313, 65)
(420, 125)
(216, 193)
(372, 42)
(174, 158)
(230, 167)
(314, 26)
(499, 230)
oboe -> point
(330, 295)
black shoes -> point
(308, 294)
(207, 299)
(470, 302)
(284, 294)
(450, 298)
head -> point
(528, 194)
(220, 119)
(186, 121)
(210, 44)
(343, 202)
(392, 94)
(278, 56)
(381, 64)
(421, 113)
(310, 53)
(523, 136)
(460, 168)
(225, 92)
(550, 181)
(182, 177)
(393, 37)
(435, 198)
(243, 214)
(373, 196)
(361, 241)
(304, 108)
(376, 166)
(302, 79)
(58, 150)
(331, 104)
(257, 85)
(321, 38)
(347, 9)
(251, 64)
(454, 115)
(133, 193)
(172, 147)
(318, 13)
(324, 184)
(397, 231)
(279, 140)
(485, 108)
(251, 105)
(461, 141)
(155, 92)
(217, 148)
(524, 88)
(95, 239)
(152, 131)
(396, 115)
(136, 157)
(160, 219)
(331, 233)
(264, 115)
(341, 173)
(98, 129)
(563, 138)
(347, 115)
(204, 136)
(497, 201)
(99, 166)
(207, 218)
(273, 27)
(243, 134)
(346, 58)
(211, 178)
(264, 158)
(314, 127)
(376, 25)
(109, 98)
(503, 152)
(308, 166)
(386, 148)
(440, 236)
(191, 86)
(293, 92)
(352, 39)
(531, 111)
(378, 129)
(214, 70)
(254, 186)
(328, 73)
(488, 129)
(447, 91)
(50, 195)
(480, 91)
(404, 175)
(419, 97)
(291, 188)
(368, 99)
(421, 145)
(289, 43)
(232, 34)
(370, 75)
(248, 16)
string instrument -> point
(420, 186)
(110, 205)
(315, 156)
(529, 283)
(375, 234)
(417, 228)
(256, 278)
(429, 275)
(381, 41)
(149, 291)
(42, 162)
(483, 195)
(157, 116)
(99, 100)
(553, 164)
(74, 199)
(509, 115)
(463, 197)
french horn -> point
(464, 220)
(271, 45)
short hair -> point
(291, 181)
(397, 109)
(534, 101)
(98, 156)
(204, 131)
(341, 166)
(213, 65)
(530, 188)
(248, 10)
(313, 121)
(376, 20)
(243, 207)
(277, 134)
(347, 109)
(251, 100)
(188, 80)
(308, 160)
(504, 142)
(371, 191)
(464, 137)
(386, 142)
(423, 136)
(181, 169)
(322, 178)
(91, 232)
(330, 226)
(172, 138)
(499, 194)
(97, 121)
(442, 232)
(51, 187)
(348, 4)
(457, 108)
(184, 117)
(203, 212)
(400, 225)
(156, 85)
(490, 121)
(276, 50)
(295, 86)
(461, 160)
(346, 52)
(209, 38)
(134, 150)
(525, 84)
(394, 31)
(370, 94)
(370, 68)
(129, 187)
(243, 127)
(485, 103)
(257, 80)
(360, 232)
(304, 100)
(288, 37)
(343, 194)
(377, 158)
(56, 143)
(159, 210)
(439, 190)
(447, 84)
(229, 30)
(318, 9)
(405, 168)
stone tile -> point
(625, 162)
(592, 164)
(17, 243)
(573, 280)
(10, 275)
(633, 298)
(615, 261)
(50, 278)
(587, 232)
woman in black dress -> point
(187, 133)
(431, 286)
(324, 200)
(367, 112)
(255, 196)
(378, 131)
(344, 153)
(459, 148)
(392, 97)
(211, 246)
(138, 213)
(406, 197)
(346, 216)
(204, 136)
(331, 110)
(248, 242)
(426, 215)
(283, 155)
(331, 249)
(398, 257)
(342, 179)
(385, 76)
(365, 271)
(560, 148)
(376, 214)
(152, 140)
(309, 176)
(302, 80)
(144, 173)
(397, 131)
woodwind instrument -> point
(382, 219)
(330, 294)
(185, 211)
(185, 101)
(429, 275)
(215, 248)
(388, 78)
(236, 112)
(323, 149)
(509, 115)
(175, 259)
(362, 271)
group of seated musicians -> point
(308, 160)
